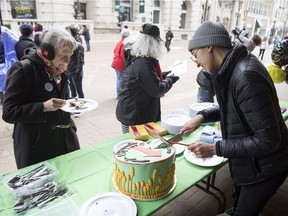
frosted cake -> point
(144, 173)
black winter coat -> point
(37, 135)
(76, 61)
(86, 34)
(139, 100)
(255, 137)
(23, 46)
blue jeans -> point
(204, 95)
(87, 45)
(76, 85)
(119, 81)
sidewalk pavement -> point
(101, 124)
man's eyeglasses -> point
(193, 56)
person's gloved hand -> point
(174, 78)
(164, 74)
(236, 32)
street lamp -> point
(205, 11)
(274, 30)
(78, 16)
(239, 12)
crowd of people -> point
(49, 71)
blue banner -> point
(9, 39)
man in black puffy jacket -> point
(255, 137)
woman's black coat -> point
(37, 135)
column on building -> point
(102, 13)
(48, 10)
(196, 14)
(170, 13)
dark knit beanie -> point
(210, 34)
(26, 30)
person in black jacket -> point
(75, 66)
(38, 28)
(169, 36)
(36, 90)
(255, 137)
(86, 34)
(25, 43)
(142, 87)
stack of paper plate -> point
(195, 108)
(174, 122)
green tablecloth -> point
(89, 171)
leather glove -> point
(164, 74)
(174, 78)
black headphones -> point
(47, 51)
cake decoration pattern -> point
(144, 173)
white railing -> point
(14, 24)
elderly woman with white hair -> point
(36, 90)
(118, 60)
(143, 85)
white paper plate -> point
(195, 108)
(110, 204)
(89, 105)
(206, 162)
(124, 143)
(179, 149)
(174, 122)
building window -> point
(124, 10)
(156, 12)
(156, 16)
(156, 3)
(82, 10)
(23, 9)
(141, 6)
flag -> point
(9, 39)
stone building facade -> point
(107, 16)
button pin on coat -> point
(48, 87)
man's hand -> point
(192, 125)
(53, 104)
(202, 149)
